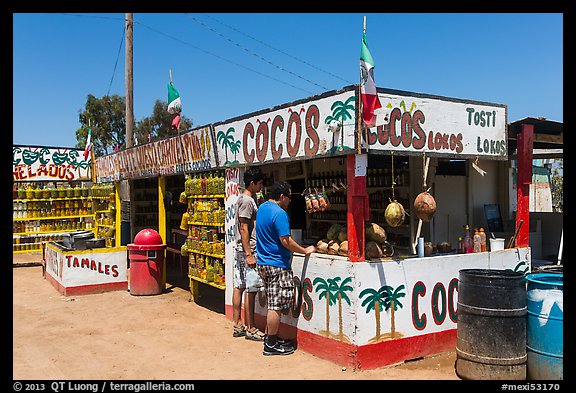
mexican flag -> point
(174, 103)
(88, 144)
(370, 101)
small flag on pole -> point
(174, 105)
(370, 101)
(88, 144)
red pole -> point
(357, 200)
(525, 140)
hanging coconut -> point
(395, 214)
(425, 206)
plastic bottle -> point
(460, 245)
(483, 247)
(476, 241)
(467, 241)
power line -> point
(219, 57)
(253, 53)
(195, 47)
(117, 57)
(277, 50)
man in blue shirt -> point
(274, 247)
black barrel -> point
(491, 328)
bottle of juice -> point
(467, 241)
(476, 241)
(483, 240)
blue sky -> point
(230, 64)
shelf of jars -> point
(204, 221)
(45, 211)
(104, 208)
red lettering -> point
(394, 116)
(107, 270)
(86, 262)
(248, 132)
(294, 120)
(383, 133)
(313, 141)
(262, 148)
(115, 271)
(68, 260)
(277, 123)
(406, 129)
(93, 265)
(419, 140)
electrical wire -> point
(253, 53)
(117, 57)
(278, 50)
(218, 56)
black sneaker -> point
(283, 341)
(277, 349)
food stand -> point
(60, 212)
(352, 309)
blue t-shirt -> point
(271, 223)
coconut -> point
(395, 214)
(372, 250)
(343, 250)
(322, 246)
(342, 235)
(333, 232)
(375, 232)
(333, 247)
(387, 249)
(425, 206)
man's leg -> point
(249, 306)
(237, 307)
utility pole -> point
(126, 191)
(129, 83)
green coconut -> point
(333, 232)
(395, 214)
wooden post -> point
(357, 200)
(129, 83)
(525, 141)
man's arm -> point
(291, 245)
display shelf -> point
(205, 224)
(222, 287)
(27, 234)
(222, 196)
(50, 199)
(51, 218)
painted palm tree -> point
(392, 303)
(341, 295)
(226, 140)
(235, 148)
(327, 288)
(374, 301)
(341, 111)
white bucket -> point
(496, 244)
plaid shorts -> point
(240, 271)
(278, 286)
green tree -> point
(159, 124)
(557, 186)
(106, 117)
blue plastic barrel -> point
(544, 332)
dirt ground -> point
(117, 336)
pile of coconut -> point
(336, 242)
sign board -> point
(189, 152)
(86, 270)
(416, 123)
(38, 163)
(321, 126)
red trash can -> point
(146, 257)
